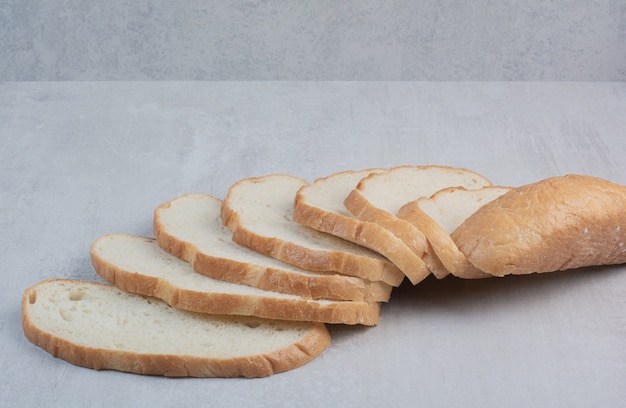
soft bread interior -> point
(104, 317)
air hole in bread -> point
(32, 297)
(76, 295)
(253, 325)
(65, 315)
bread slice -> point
(555, 224)
(378, 197)
(320, 206)
(139, 265)
(439, 215)
(101, 327)
(189, 227)
(259, 212)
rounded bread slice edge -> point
(315, 340)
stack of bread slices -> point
(245, 285)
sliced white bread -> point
(320, 206)
(259, 211)
(555, 224)
(139, 265)
(378, 197)
(101, 327)
(439, 215)
(189, 227)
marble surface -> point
(81, 159)
(578, 40)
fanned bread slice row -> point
(555, 224)
(138, 265)
(102, 327)
(259, 211)
(378, 197)
(190, 228)
(320, 206)
(439, 215)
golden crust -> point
(358, 205)
(316, 286)
(367, 234)
(555, 224)
(293, 356)
(411, 236)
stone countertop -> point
(82, 159)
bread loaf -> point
(101, 327)
(193, 302)
(555, 224)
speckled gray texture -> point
(313, 40)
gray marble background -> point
(579, 40)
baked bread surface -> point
(559, 223)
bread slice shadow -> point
(481, 299)
(483, 294)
